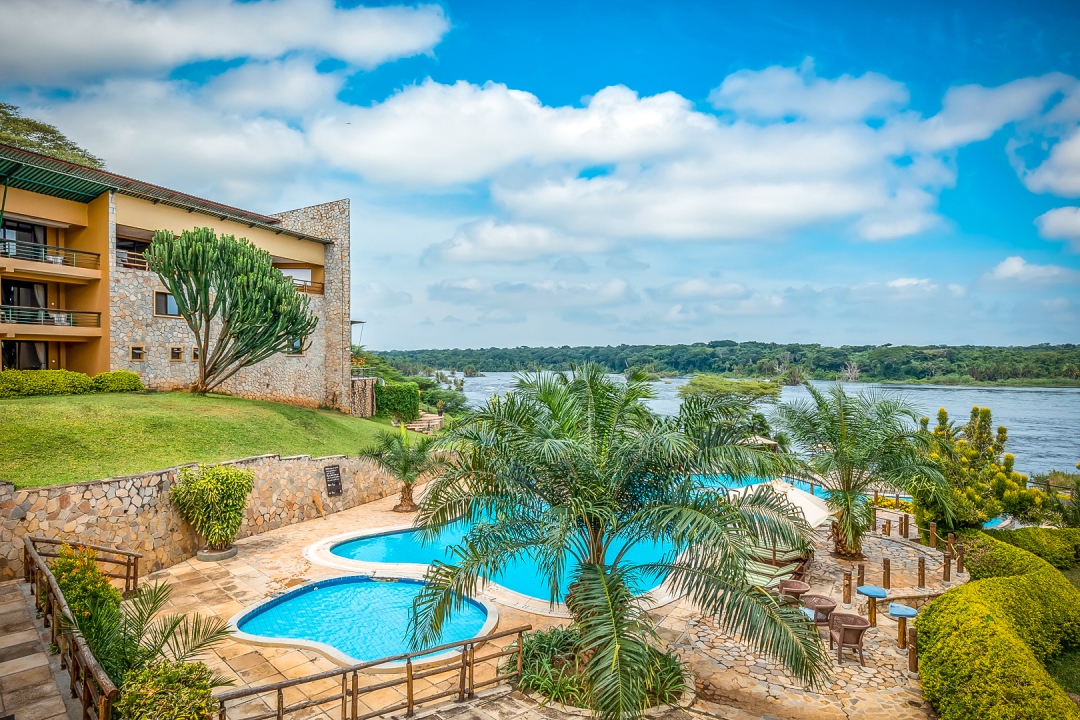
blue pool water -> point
(362, 618)
(407, 546)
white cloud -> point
(291, 87)
(1061, 224)
(780, 92)
(59, 41)
(1017, 269)
(1059, 173)
(382, 296)
(696, 288)
(534, 294)
(489, 241)
(907, 282)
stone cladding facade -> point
(318, 378)
(134, 511)
(363, 396)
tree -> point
(35, 136)
(240, 307)
(572, 471)
(856, 444)
(404, 458)
(718, 386)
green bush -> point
(81, 581)
(398, 400)
(168, 691)
(213, 499)
(1060, 548)
(117, 381)
(26, 383)
(982, 645)
(452, 400)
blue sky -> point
(595, 173)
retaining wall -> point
(134, 511)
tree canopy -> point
(36, 136)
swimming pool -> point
(352, 619)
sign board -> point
(333, 480)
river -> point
(1043, 423)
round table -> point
(873, 593)
(820, 607)
(902, 613)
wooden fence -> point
(269, 701)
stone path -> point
(27, 688)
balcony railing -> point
(308, 286)
(18, 315)
(131, 260)
(49, 254)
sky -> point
(593, 173)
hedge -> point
(1059, 547)
(168, 691)
(27, 383)
(982, 645)
(398, 400)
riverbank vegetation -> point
(1043, 365)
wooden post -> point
(912, 650)
(907, 526)
(811, 488)
(862, 575)
(875, 497)
(871, 611)
(922, 572)
(408, 687)
(949, 543)
(280, 705)
(888, 528)
(344, 696)
(222, 714)
(874, 511)
(933, 535)
(885, 574)
(520, 658)
(847, 588)
(461, 675)
(947, 567)
(472, 671)
(959, 559)
(355, 695)
(901, 632)
(896, 502)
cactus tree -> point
(241, 309)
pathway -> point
(27, 688)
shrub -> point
(982, 645)
(26, 383)
(81, 581)
(1060, 548)
(213, 499)
(168, 691)
(117, 381)
(398, 400)
(452, 400)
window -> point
(297, 347)
(176, 354)
(165, 305)
(138, 353)
(23, 232)
(24, 294)
(20, 355)
(195, 354)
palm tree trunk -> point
(406, 503)
(840, 544)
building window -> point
(195, 354)
(22, 232)
(297, 348)
(176, 354)
(22, 355)
(165, 305)
(138, 353)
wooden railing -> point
(347, 697)
(89, 683)
(308, 286)
(131, 260)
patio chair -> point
(820, 607)
(846, 631)
(792, 588)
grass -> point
(75, 438)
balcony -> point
(32, 260)
(131, 260)
(34, 323)
(308, 286)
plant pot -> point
(208, 555)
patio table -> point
(873, 593)
(901, 613)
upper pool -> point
(360, 618)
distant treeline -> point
(938, 363)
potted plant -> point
(213, 499)
(439, 407)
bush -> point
(168, 691)
(1060, 548)
(117, 381)
(27, 383)
(81, 581)
(982, 645)
(400, 400)
(452, 400)
(213, 499)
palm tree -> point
(856, 444)
(404, 458)
(571, 472)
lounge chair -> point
(768, 576)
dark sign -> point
(333, 480)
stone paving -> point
(27, 688)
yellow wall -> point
(146, 215)
(47, 207)
(91, 357)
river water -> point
(1043, 423)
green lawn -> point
(64, 439)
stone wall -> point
(363, 397)
(134, 512)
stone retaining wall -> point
(134, 512)
(363, 396)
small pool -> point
(353, 619)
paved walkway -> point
(27, 688)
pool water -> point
(360, 617)
(407, 546)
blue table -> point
(902, 613)
(873, 593)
